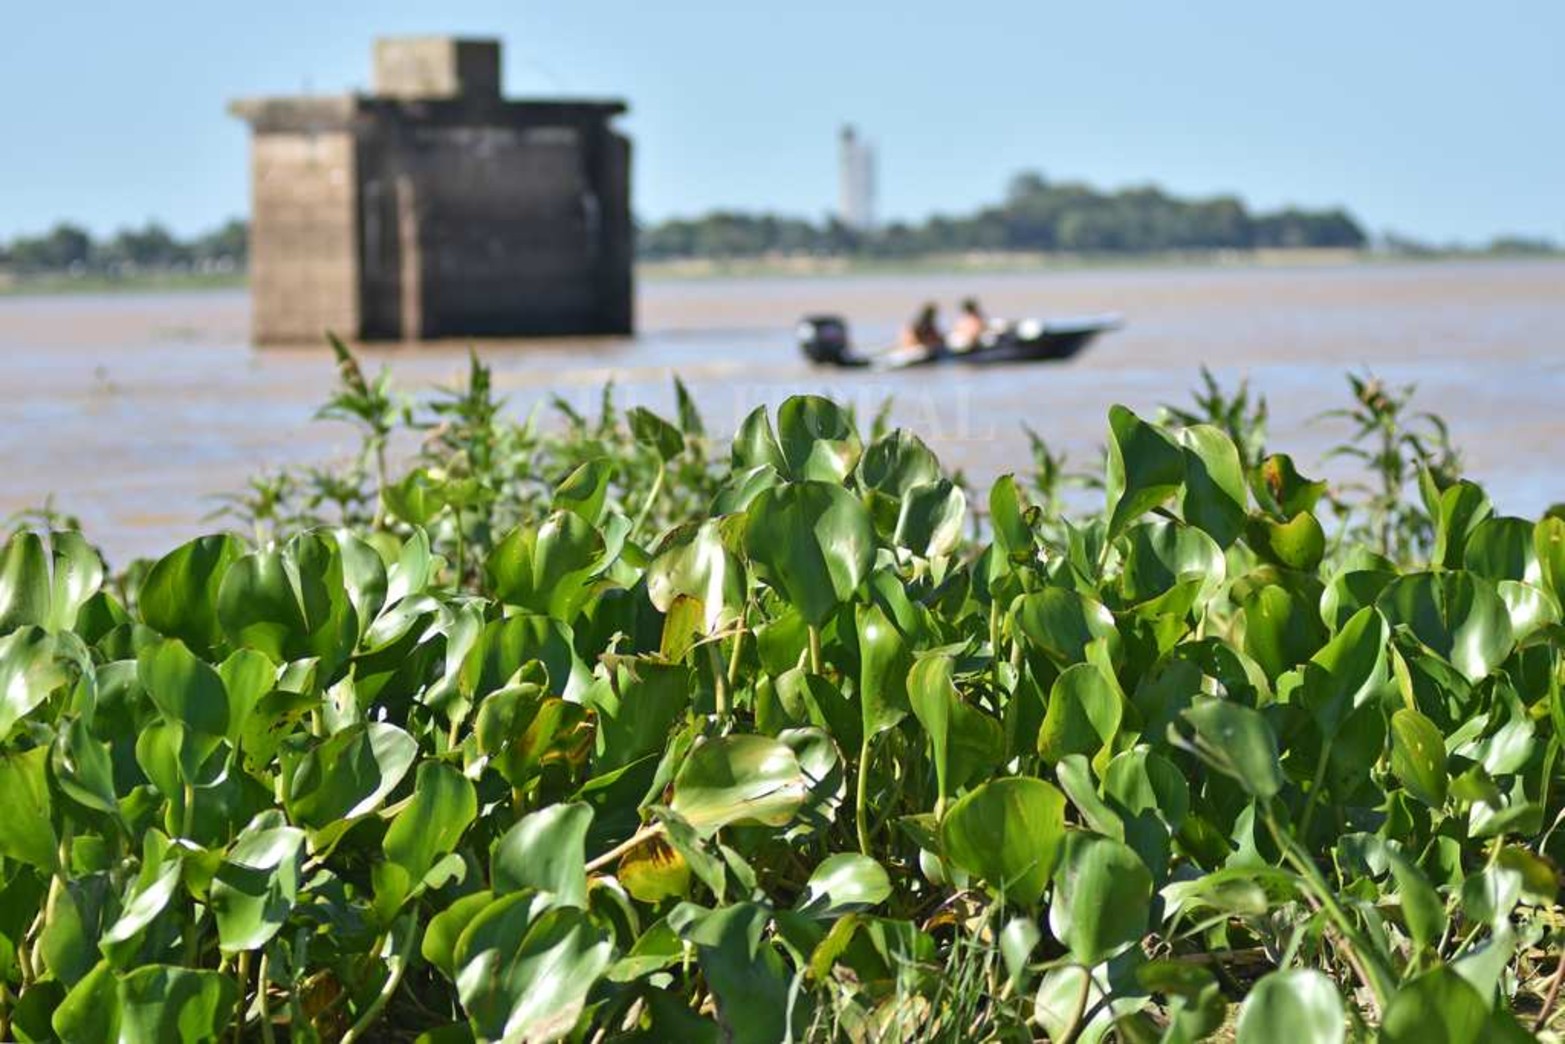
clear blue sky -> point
(1432, 117)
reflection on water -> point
(132, 410)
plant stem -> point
(267, 1035)
(1553, 995)
(733, 657)
(365, 1021)
(861, 794)
(719, 681)
(815, 650)
(1314, 796)
(646, 507)
(644, 834)
(243, 973)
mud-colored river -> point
(133, 410)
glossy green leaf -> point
(28, 673)
(547, 570)
(652, 430)
(1458, 615)
(46, 583)
(896, 462)
(1009, 833)
(545, 851)
(1214, 498)
(931, 519)
(738, 779)
(695, 561)
(1294, 1005)
(347, 776)
(27, 828)
(1438, 1007)
(160, 1004)
(1102, 896)
(1418, 756)
(443, 805)
(1145, 468)
(1084, 712)
(1063, 623)
(1237, 742)
(1298, 543)
(813, 542)
(1501, 548)
(844, 883)
(254, 891)
(817, 439)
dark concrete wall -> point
(437, 209)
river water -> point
(133, 410)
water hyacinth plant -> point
(613, 733)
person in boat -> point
(924, 333)
(969, 327)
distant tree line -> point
(68, 248)
(1036, 215)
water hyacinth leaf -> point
(1102, 896)
(1298, 543)
(1353, 665)
(417, 498)
(1457, 511)
(1008, 832)
(813, 542)
(1418, 756)
(1161, 553)
(817, 439)
(1281, 490)
(29, 673)
(931, 518)
(1237, 742)
(525, 973)
(1008, 517)
(1439, 1005)
(1063, 623)
(83, 769)
(1083, 714)
(46, 584)
(1280, 629)
(1145, 468)
(846, 882)
(885, 661)
(546, 570)
(695, 561)
(160, 1004)
(635, 714)
(254, 891)
(27, 827)
(755, 446)
(654, 870)
(290, 604)
(896, 462)
(1297, 1005)
(1422, 907)
(964, 741)
(363, 577)
(142, 906)
(1501, 548)
(652, 430)
(346, 776)
(545, 851)
(1214, 498)
(444, 803)
(1548, 542)
(736, 494)
(1530, 608)
(738, 779)
(187, 690)
(1350, 591)
(749, 981)
(585, 490)
(91, 1010)
(1018, 939)
(1459, 616)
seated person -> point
(924, 333)
(969, 327)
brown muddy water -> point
(133, 411)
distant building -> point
(855, 181)
(434, 207)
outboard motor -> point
(824, 339)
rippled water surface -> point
(132, 410)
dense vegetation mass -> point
(1036, 216)
(611, 732)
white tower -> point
(855, 181)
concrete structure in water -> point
(434, 207)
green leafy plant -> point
(604, 733)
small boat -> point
(824, 339)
